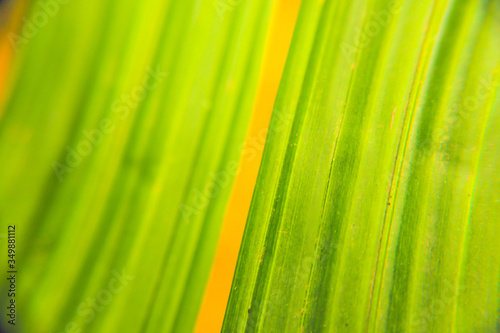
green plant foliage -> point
(120, 136)
(377, 207)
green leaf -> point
(377, 206)
(119, 140)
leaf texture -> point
(377, 204)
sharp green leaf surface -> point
(377, 205)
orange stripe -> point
(13, 12)
(278, 41)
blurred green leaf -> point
(119, 141)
